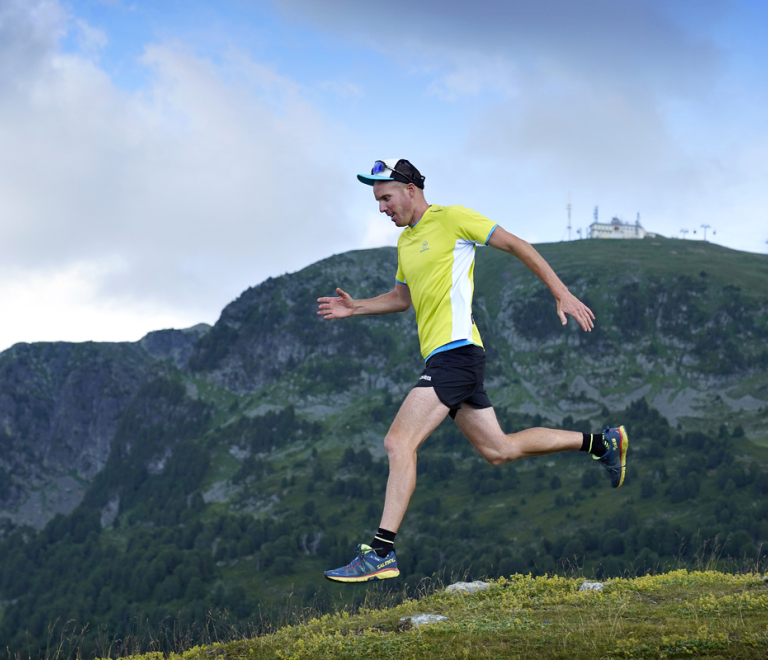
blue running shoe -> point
(615, 458)
(366, 566)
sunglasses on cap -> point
(380, 167)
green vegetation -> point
(679, 614)
(291, 513)
(233, 483)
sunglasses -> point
(380, 166)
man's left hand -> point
(571, 305)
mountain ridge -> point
(272, 330)
(225, 467)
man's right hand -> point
(337, 308)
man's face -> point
(396, 200)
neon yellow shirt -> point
(436, 260)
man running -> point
(436, 256)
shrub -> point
(646, 489)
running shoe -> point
(615, 458)
(366, 566)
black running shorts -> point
(457, 376)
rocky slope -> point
(60, 406)
(683, 324)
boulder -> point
(423, 619)
(467, 587)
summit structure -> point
(617, 228)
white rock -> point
(591, 586)
(467, 587)
(424, 619)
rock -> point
(173, 345)
(60, 407)
(109, 511)
(467, 587)
(424, 619)
(591, 586)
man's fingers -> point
(585, 321)
(581, 313)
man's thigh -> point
(421, 413)
(481, 428)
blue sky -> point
(157, 158)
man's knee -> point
(500, 454)
(494, 457)
(395, 447)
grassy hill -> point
(250, 460)
(678, 614)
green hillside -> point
(237, 475)
(678, 614)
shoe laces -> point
(360, 552)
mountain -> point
(216, 467)
(60, 405)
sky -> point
(159, 157)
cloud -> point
(342, 88)
(176, 196)
(635, 106)
(635, 44)
(582, 93)
(67, 305)
(90, 39)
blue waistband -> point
(447, 347)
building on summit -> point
(617, 228)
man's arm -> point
(342, 306)
(567, 303)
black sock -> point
(384, 542)
(593, 444)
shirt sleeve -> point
(471, 226)
(400, 275)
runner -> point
(436, 257)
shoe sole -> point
(383, 574)
(624, 446)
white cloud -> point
(342, 88)
(613, 101)
(66, 305)
(90, 39)
(194, 188)
(380, 231)
(471, 74)
(635, 44)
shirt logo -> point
(425, 377)
(424, 246)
